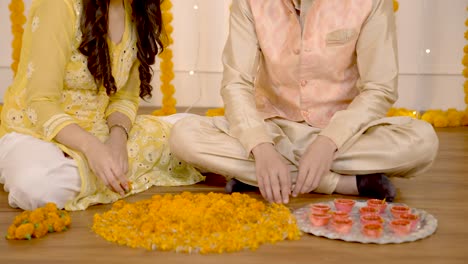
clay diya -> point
(401, 226)
(320, 208)
(345, 205)
(372, 230)
(318, 219)
(342, 226)
(367, 210)
(340, 215)
(413, 218)
(379, 204)
(371, 219)
(398, 210)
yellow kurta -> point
(54, 88)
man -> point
(306, 87)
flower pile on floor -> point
(37, 223)
(197, 223)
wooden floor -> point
(442, 191)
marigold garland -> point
(438, 118)
(166, 64)
(17, 19)
(37, 223)
(196, 223)
(396, 5)
(215, 112)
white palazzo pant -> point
(35, 172)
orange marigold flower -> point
(11, 232)
(37, 216)
(50, 207)
(40, 230)
(24, 231)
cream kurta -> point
(331, 71)
(335, 66)
(54, 88)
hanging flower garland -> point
(196, 223)
(17, 19)
(166, 65)
(396, 5)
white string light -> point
(195, 65)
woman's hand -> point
(109, 162)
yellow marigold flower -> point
(396, 5)
(204, 223)
(440, 121)
(465, 60)
(428, 117)
(464, 121)
(24, 231)
(215, 112)
(454, 117)
(465, 72)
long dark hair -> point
(94, 24)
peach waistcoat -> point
(307, 73)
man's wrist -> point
(328, 141)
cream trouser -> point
(397, 146)
(36, 172)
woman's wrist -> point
(118, 129)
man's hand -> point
(272, 173)
(315, 162)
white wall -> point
(427, 80)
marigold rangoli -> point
(197, 223)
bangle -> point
(121, 126)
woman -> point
(72, 107)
